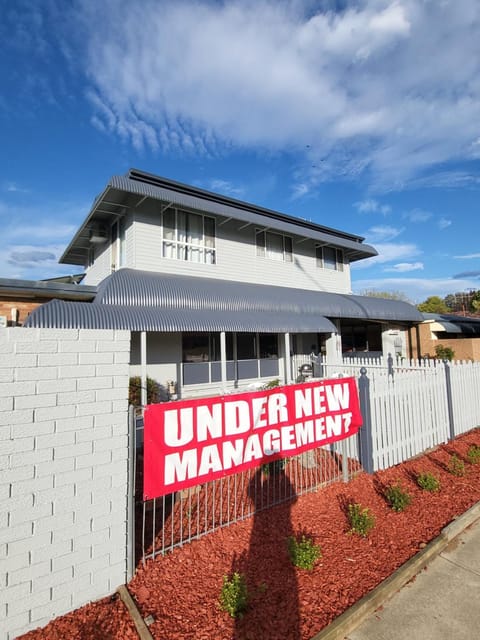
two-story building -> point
(220, 293)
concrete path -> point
(441, 603)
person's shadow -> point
(273, 609)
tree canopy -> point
(433, 304)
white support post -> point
(223, 359)
(143, 361)
(288, 364)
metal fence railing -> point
(164, 523)
(407, 407)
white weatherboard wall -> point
(63, 471)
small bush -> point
(303, 552)
(135, 391)
(234, 595)
(473, 454)
(397, 497)
(272, 384)
(444, 353)
(428, 482)
(456, 466)
(361, 520)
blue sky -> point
(362, 116)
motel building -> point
(220, 295)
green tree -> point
(433, 304)
(475, 302)
(390, 295)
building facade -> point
(221, 293)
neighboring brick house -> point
(219, 292)
(18, 298)
(459, 333)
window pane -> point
(194, 227)
(260, 240)
(246, 346)
(195, 347)
(209, 227)
(339, 259)
(329, 258)
(274, 246)
(268, 343)
(288, 249)
(169, 225)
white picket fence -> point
(412, 405)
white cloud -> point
(193, 77)
(443, 223)
(372, 206)
(388, 252)
(382, 233)
(416, 289)
(417, 215)
(403, 267)
(468, 256)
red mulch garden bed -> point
(181, 590)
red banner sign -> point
(194, 441)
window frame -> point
(328, 264)
(176, 244)
(264, 250)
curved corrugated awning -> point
(146, 301)
(72, 315)
(145, 288)
(445, 327)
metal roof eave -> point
(73, 315)
(46, 289)
(214, 204)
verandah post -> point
(448, 389)
(365, 440)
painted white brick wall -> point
(63, 471)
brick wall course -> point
(63, 534)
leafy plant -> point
(273, 468)
(473, 454)
(271, 384)
(456, 466)
(444, 353)
(135, 391)
(234, 595)
(303, 551)
(361, 519)
(397, 497)
(428, 482)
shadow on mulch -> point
(270, 575)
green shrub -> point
(303, 552)
(271, 384)
(273, 468)
(456, 466)
(397, 497)
(473, 454)
(361, 520)
(428, 482)
(234, 595)
(135, 391)
(444, 353)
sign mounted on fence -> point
(193, 441)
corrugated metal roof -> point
(444, 326)
(108, 207)
(72, 315)
(466, 325)
(145, 288)
(147, 301)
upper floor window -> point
(188, 236)
(274, 246)
(329, 258)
